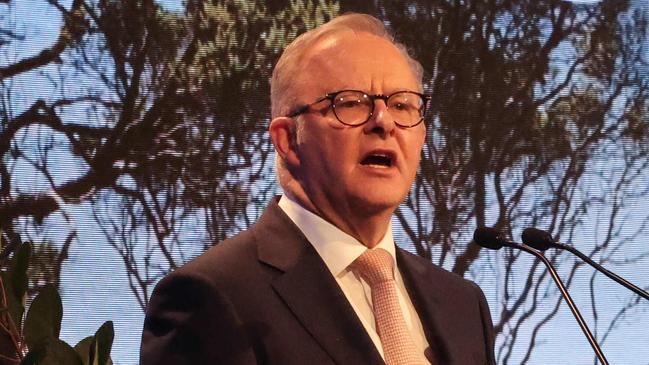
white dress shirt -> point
(338, 250)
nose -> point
(381, 122)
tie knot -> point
(375, 266)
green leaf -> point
(85, 349)
(15, 283)
(19, 266)
(33, 357)
(95, 350)
(16, 307)
(52, 352)
(43, 321)
(104, 342)
(8, 349)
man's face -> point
(364, 169)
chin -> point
(377, 201)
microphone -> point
(542, 240)
(493, 239)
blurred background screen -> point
(133, 137)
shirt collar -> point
(336, 248)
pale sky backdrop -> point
(95, 289)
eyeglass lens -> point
(355, 107)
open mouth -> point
(378, 160)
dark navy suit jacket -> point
(266, 297)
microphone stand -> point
(542, 240)
(493, 239)
(566, 295)
(620, 280)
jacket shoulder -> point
(424, 265)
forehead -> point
(353, 60)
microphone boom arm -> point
(620, 280)
(569, 301)
(542, 240)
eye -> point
(403, 105)
(348, 103)
(405, 102)
(400, 106)
(350, 100)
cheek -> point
(419, 143)
(414, 142)
(413, 151)
(326, 149)
(335, 147)
(323, 157)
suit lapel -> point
(425, 293)
(310, 291)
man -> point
(347, 127)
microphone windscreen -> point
(539, 239)
(490, 238)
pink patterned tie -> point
(376, 267)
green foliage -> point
(97, 348)
(169, 111)
(33, 339)
(43, 321)
(54, 352)
(19, 269)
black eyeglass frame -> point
(332, 96)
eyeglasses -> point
(353, 107)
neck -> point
(367, 227)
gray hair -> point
(283, 81)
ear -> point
(282, 132)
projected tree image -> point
(153, 121)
